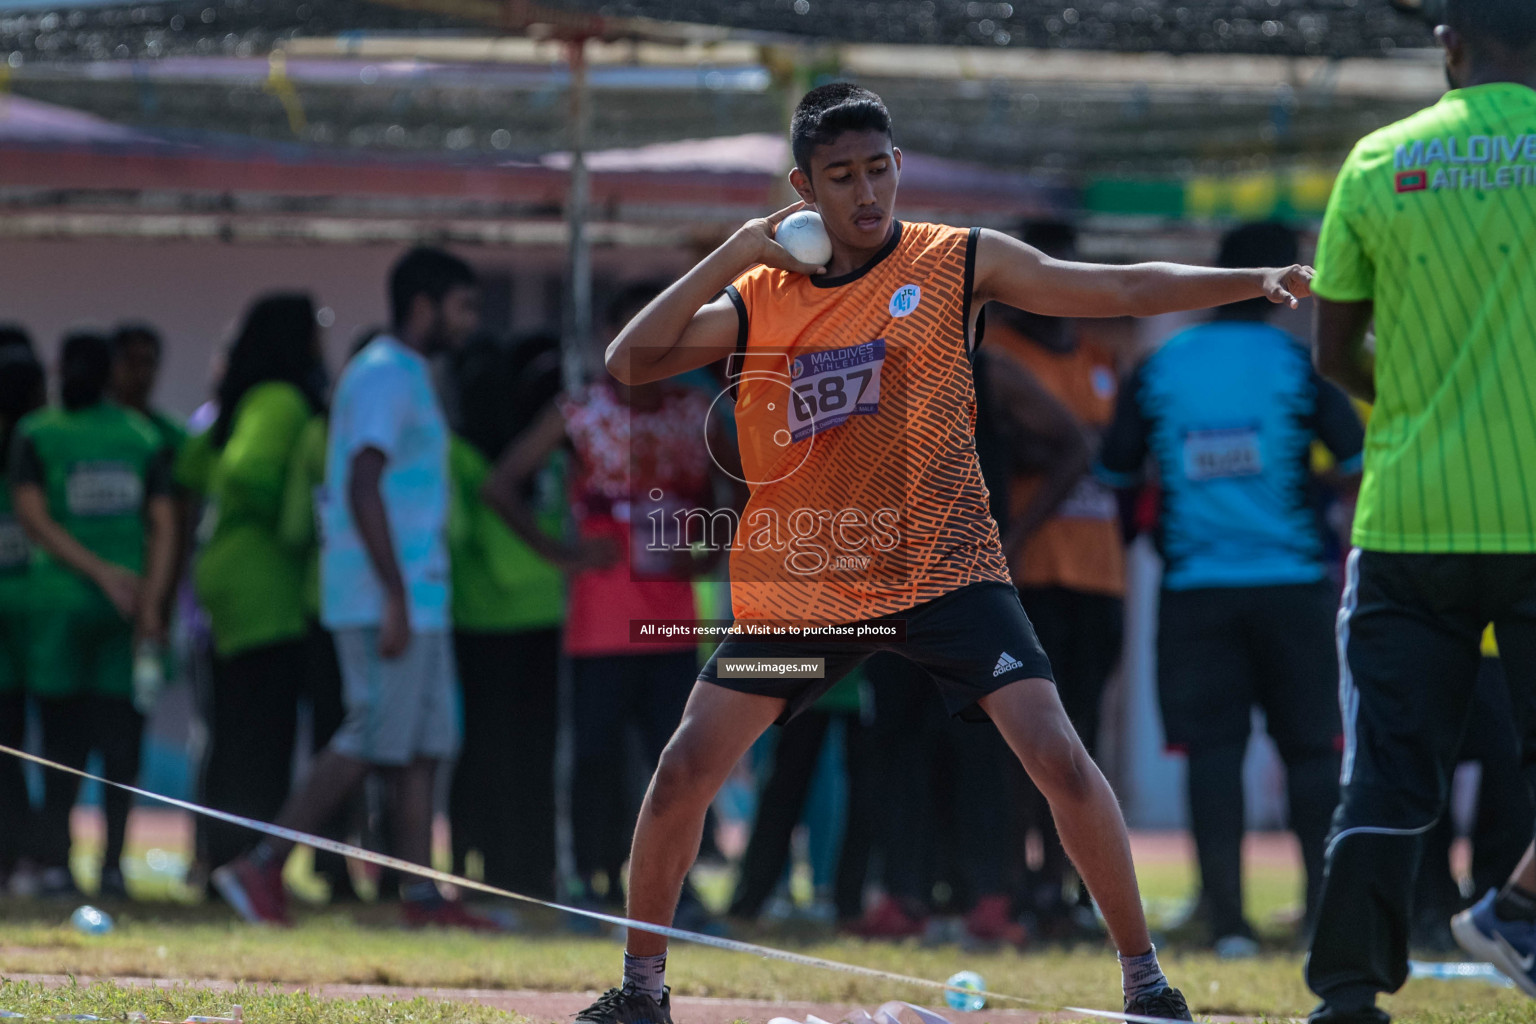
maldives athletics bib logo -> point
(1412, 181)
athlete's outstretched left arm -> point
(1020, 275)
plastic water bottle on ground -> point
(1458, 972)
(971, 982)
(91, 921)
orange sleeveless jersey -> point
(856, 420)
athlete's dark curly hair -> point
(828, 111)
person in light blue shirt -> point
(385, 403)
(385, 591)
(1225, 414)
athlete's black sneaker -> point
(1326, 1014)
(619, 1007)
(1164, 1004)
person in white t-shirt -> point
(384, 590)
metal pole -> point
(578, 311)
(575, 344)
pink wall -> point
(195, 292)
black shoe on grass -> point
(620, 1007)
(1326, 1014)
(1164, 1004)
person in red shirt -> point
(638, 456)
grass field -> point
(203, 943)
(119, 1003)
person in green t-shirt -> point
(136, 356)
(21, 393)
(1429, 234)
(508, 606)
(248, 578)
(91, 486)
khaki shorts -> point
(401, 710)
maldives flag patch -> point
(1412, 181)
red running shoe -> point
(990, 922)
(887, 920)
(445, 914)
(256, 893)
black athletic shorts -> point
(973, 641)
(1223, 650)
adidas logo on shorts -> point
(1006, 663)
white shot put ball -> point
(805, 237)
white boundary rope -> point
(697, 938)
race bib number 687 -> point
(831, 385)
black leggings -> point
(1083, 633)
(72, 728)
(612, 694)
(15, 808)
(502, 801)
(251, 736)
(783, 799)
(938, 798)
(253, 729)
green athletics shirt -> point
(250, 582)
(499, 584)
(301, 497)
(1434, 220)
(98, 467)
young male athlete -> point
(855, 415)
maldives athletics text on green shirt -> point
(1434, 219)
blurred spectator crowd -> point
(424, 573)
